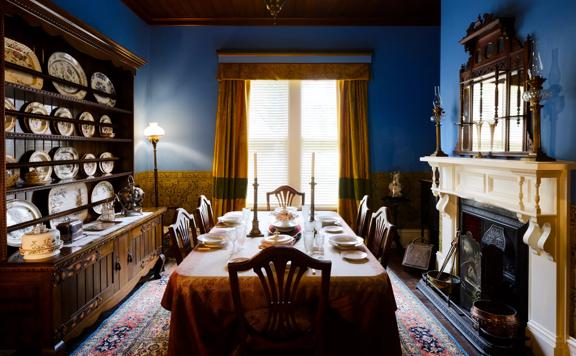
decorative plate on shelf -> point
(102, 191)
(18, 53)
(66, 197)
(99, 81)
(106, 131)
(61, 127)
(42, 174)
(89, 168)
(106, 167)
(37, 126)
(64, 66)
(87, 130)
(19, 211)
(9, 120)
(66, 171)
(13, 174)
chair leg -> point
(159, 266)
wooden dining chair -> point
(285, 195)
(205, 214)
(363, 218)
(183, 234)
(380, 235)
(283, 324)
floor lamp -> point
(153, 133)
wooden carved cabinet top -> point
(494, 118)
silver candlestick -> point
(312, 188)
(255, 232)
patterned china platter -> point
(44, 172)
(9, 120)
(18, 53)
(61, 127)
(66, 171)
(106, 131)
(19, 211)
(13, 174)
(106, 167)
(87, 130)
(66, 197)
(64, 66)
(89, 168)
(99, 81)
(102, 191)
(37, 126)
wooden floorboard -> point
(410, 277)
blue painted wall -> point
(553, 22)
(183, 88)
(178, 87)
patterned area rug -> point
(140, 325)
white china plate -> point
(55, 252)
(234, 214)
(63, 128)
(67, 197)
(19, 211)
(282, 240)
(44, 172)
(101, 191)
(106, 167)
(12, 175)
(327, 220)
(345, 241)
(230, 220)
(64, 66)
(9, 120)
(87, 130)
(333, 229)
(37, 126)
(18, 53)
(284, 224)
(106, 131)
(66, 171)
(213, 239)
(354, 255)
(100, 81)
(89, 168)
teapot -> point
(131, 198)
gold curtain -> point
(354, 180)
(230, 165)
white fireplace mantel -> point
(538, 192)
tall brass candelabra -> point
(437, 113)
(312, 188)
(534, 95)
(255, 232)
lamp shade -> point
(153, 130)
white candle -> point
(255, 164)
(313, 162)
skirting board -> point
(542, 341)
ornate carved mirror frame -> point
(494, 120)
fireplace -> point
(508, 206)
(492, 266)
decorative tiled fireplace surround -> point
(182, 189)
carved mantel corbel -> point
(539, 236)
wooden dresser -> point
(62, 69)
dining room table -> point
(361, 317)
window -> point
(287, 121)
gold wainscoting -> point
(176, 189)
(573, 269)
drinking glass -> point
(240, 236)
(308, 237)
(305, 213)
(246, 214)
(319, 244)
(232, 237)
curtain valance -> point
(293, 71)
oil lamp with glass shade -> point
(153, 132)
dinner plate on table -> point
(213, 239)
(328, 220)
(345, 241)
(333, 229)
(355, 255)
(230, 220)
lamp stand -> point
(312, 188)
(154, 143)
(255, 232)
(534, 95)
(437, 113)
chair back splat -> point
(285, 195)
(363, 218)
(380, 235)
(288, 321)
(183, 234)
(205, 214)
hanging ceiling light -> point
(274, 7)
